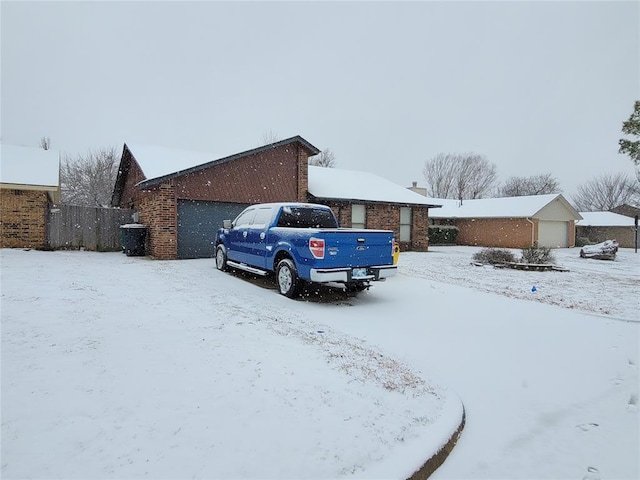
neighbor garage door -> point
(553, 234)
(198, 223)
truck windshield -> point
(305, 217)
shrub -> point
(582, 241)
(537, 255)
(494, 256)
(443, 234)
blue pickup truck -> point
(302, 242)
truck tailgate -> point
(357, 248)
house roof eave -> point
(312, 150)
(375, 202)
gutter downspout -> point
(532, 231)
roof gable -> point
(338, 184)
(29, 166)
(505, 207)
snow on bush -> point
(537, 255)
(494, 256)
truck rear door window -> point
(306, 218)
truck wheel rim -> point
(284, 279)
(219, 259)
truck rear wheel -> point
(287, 278)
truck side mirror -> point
(226, 224)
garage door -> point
(198, 223)
(553, 234)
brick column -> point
(303, 174)
(420, 229)
(158, 210)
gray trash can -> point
(134, 237)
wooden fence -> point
(91, 228)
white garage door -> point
(553, 234)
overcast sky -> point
(534, 87)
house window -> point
(358, 216)
(405, 224)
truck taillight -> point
(316, 245)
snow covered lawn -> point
(124, 367)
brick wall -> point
(572, 233)
(496, 232)
(625, 236)
(23, 218)
(269, 176)
(387, 217)
(158, 210)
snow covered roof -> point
(29, 166)
(504, 207)
(335, 183)
(605, 219)
(158, 161)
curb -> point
(431, 465)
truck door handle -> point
(244, 234)
(262, 235)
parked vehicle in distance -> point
(301, 242)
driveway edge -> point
(431, 465)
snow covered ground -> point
(124, 367)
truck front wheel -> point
(287, 278)
(221, 258)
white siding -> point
(555, 210)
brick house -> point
(361, 199)
(510, 222)
(184, 196)
(29, 185)
(600, 226)
(626, 210)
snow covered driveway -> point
(124, 367)
(117, 367)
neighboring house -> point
(29, 185)
(600, 226)
(364, 200)
(626, 210)
(415, 188)
(510, 222)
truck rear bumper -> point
(323, 275)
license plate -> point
(359, 273)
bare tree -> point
(535, 185)
(269, 137)
(45, 143)
(325, 158)
(89, 179)
(606, 192)
(459, 176)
